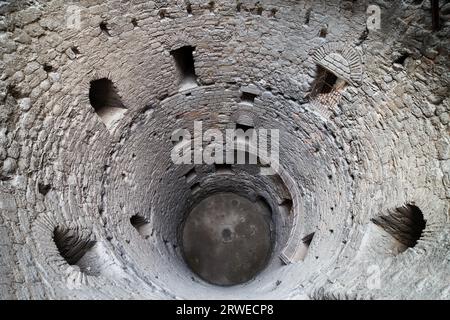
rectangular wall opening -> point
(195, 188)
(308, 239)
(327, 87)
(106, 102)
(248, 97)
(190, 175)
(223, 168)
(243, 127)
(328, 83)
(184, 60)
(304, 247)
(286, 206)
(405, 224)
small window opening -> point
(106, 102)
(327, 87)
(75, 50)
(405, 224)
(243, 127)
(188, 7)
(402, 59)
(142, 225)
(184, 60)
(286, 204)
(323, 32)
(163, 14)
(223, 168)
(273, 13)
(195, 187)
(308, 16)
(190, 175)
(211, 6)
(73, 247)
(248, 97)
(43, 188)
(104, 28)
(308, 239)
(259, 9)
(47, 68)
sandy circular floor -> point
(227, 238)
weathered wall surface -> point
(384, 144)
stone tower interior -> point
(92, 205)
